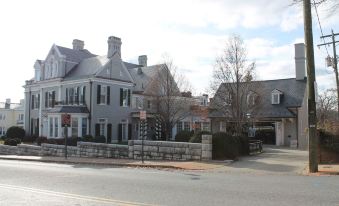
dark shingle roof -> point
(293, 94)
(142, 79)
(75, 55)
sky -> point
(192, 32)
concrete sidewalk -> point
(184, 165)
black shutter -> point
(109, 133)
(129, 131)
(77, 93)
(108, 91)
(121, 96)
(119, 132)
(129, 98)
(83, 94)
(38, 100)
(33, 96)
(66, 96)
(32, 127)
(97, 130)
(53, 98)
(46, 99)
(98, 93)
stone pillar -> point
(131, 149)
(206, 147)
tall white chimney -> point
(78, 44)
(300, 61)
(114, 46)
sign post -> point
(65, 123)
(143, 126)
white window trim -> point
(273, 98)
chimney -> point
(143, 60)
(114, 45)
(78, 44)
(8, 104)
(300, 61)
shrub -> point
(226, 146)
(100, 139)
(40, 140)
(12, 141)
(29, 139)
(15, 132)
(329, 140)
(87, 138)
(3, 137)
(196, 138)
(183, 136)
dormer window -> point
(276, 95)
(251, 98)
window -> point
(2, 131)
(53, 127)
(149, 104)
(222, 126)
(187, 126)
(276, 95)
(103, 94)
(125, 97)
(275, 98)
(124, 131)
(56, 127)
(179, 127)
(205, 126)
(84, 126)
(82, 94)
(35, 101)
(251, 98)
(74, 126)
(49, 99)
(21, 117)
(138, 103)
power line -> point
(321, 29)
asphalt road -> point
(29, 183)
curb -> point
(95, 163)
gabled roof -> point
(141, 79)
(293, 90)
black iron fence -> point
(255, 146)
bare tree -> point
(326, 108)
(235, 93)
(164, 89)
(332, 5)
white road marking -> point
(73, 196)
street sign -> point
(65, 120)
(142, 115)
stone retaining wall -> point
(88, 149)
(154, 150)
(161, 150)
(26, 149)
(8, 150)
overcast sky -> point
(192, 32)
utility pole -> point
(312, 124)
(334, 63)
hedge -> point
(226, 146)
(183, 136)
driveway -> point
(274, 160)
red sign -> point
(66, 120)
(143, 115)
